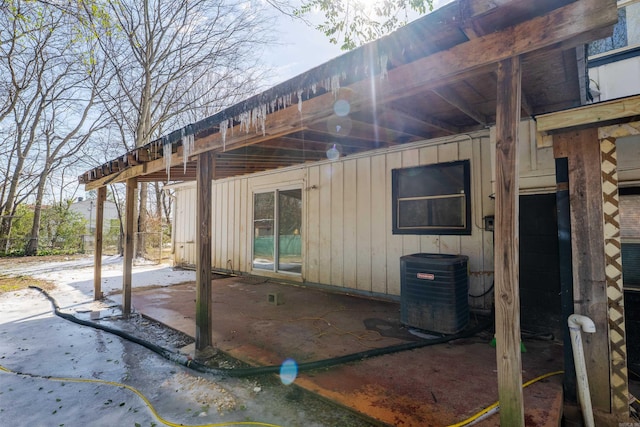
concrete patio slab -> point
(263, 322)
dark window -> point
(630, 236)
(432, 199)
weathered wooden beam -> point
(130, 220)
(582, 150)
(143, 155)
(114, 166)
(97, 250)
(133, 172)
(159, 164)
(131, 159)
(507, 298)
(295, 143)
(421, 122)
(452, 97)
(589, 114)
(565, 25)
(206, 166)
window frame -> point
(396, 201)
(629, 278)
(276, 190)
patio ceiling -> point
(432, 78)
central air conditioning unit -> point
(434, 292)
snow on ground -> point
(73, 278)
(78, 275)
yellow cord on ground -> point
(144, 399)
(496, 404)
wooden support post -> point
(597, 269)
(203, 245)
(587, 243)
(507, 298)
(131, 201)
(97, 250)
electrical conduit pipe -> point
(577, 322)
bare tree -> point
(51, 88)
(172, 58)
(25, 61)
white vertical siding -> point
(347, 231)
(363, 224)
(245, 228)
(350, 222)
(380, 223)
(311, 230)
(394, 241)
(184, 231)
(324, 241)
(337, 224)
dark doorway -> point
(540, 304)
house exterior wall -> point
(347, 240)
(184, 225)
(615, 80)
(87, 208)
(614, 63)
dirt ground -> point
(55, 372)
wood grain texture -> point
(97, 250)
(205, 173)
(507, 298)
(589, 114)
(130, 221)
(582, 149)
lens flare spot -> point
(339, 126)
(288, 371)
(333, 153)
(341, 107)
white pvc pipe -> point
(577, 322)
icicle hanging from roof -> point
(335, 85)
(384, 60)
(224, 125)
(188, 142)
(245, 121)
(300, 101)
(166, 155)
(261, 118)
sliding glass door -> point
(277, 223)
